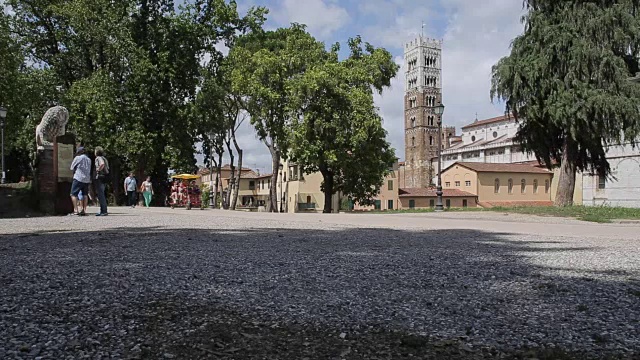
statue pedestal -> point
(46, 181)
(54, 177)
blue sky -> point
(476, 35)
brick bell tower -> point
(423, 91)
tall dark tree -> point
(566, 82)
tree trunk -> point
(567, 178)
(273, 188)
(236, 183)
(327, 177)
(218, 180)
(232, 177)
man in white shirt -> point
(81, 167)
(130, 187)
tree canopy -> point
(336, 128)
(566, 82)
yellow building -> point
(501, 184)
(298, 192)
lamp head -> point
(3, 112)
(439, 110)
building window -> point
(412, 204)
(473, 138)
(501, 152)
(510, 186)
(495, 134)
(377, 205)
(389, 204)
(413, 141)
(464, 203)
(432, 203)
(535, 186)
(602, 182)
(390, 184)
(523, 186)
(430, 140)
(457, 183)
(252, 185)
(447, 184)
(448, 203)
(496, 186)
(430, 119)
(467, 183)
(546, 186)
(413, 122)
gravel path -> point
(161, 283)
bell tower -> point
(423, 91)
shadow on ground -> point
(295, 294)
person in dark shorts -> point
(81, 167)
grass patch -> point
(599, 214)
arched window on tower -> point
(413, 141)
(413, 122)
(430, 140)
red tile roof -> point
(264, 176)
(431, 192)
(502, 168)
(488, 121)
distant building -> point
(486, 141)
(501, 184)
(299, 192)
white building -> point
(623, 188)
(486, 141)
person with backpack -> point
(102, 179)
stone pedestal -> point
(53, 177)
(46, 182)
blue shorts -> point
(76, 186)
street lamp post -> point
(3, 115)
(281, 167)
(439, 110)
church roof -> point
(488, 121)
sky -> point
(476, 35)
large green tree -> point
(566, 82)
(129, 71)
(337, 130)
(264, 66)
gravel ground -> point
(163, 284)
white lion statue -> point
(53, 124)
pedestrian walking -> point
(130, 187)
(102, 178)
(147, 191)
(81, 167)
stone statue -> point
(53, 124)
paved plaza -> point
(177, 284)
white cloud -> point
(321, 17)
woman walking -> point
(147, 191)
(102, 178)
